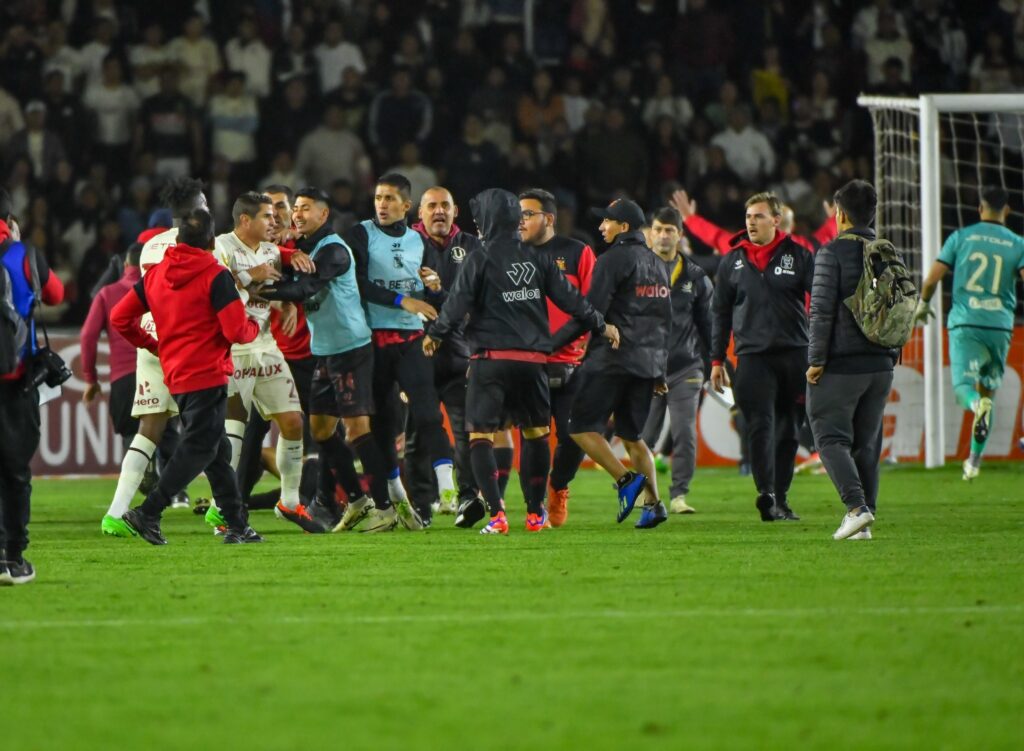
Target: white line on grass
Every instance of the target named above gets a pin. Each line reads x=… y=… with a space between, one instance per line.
x=587 y=615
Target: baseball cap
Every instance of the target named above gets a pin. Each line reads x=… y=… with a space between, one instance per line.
x=621 y=210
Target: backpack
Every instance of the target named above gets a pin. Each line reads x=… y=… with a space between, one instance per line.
x=13 y=328
x=885 y=299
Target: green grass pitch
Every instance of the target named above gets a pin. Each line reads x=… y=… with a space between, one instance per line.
x=714 y=631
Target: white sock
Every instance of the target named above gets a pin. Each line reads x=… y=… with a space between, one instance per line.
x=133 y=467
x=443 y=470
x=235 y=430
x=289 y=464
x=396 y=491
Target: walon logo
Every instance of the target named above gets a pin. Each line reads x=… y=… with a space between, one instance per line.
x=522 y=273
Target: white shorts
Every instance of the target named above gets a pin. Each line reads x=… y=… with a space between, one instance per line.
x=151 y=394
x=264 y=379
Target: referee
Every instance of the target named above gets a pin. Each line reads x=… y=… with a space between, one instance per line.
x=502 y=289
x=760 y=300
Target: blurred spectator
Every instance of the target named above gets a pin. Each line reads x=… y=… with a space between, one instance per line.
x=869 y=19
x=664 y=102
x=334 y=54
x=64 y=113
x=614 y=160
x=133 y=215
x=283 y=172
x=247 y=54
x=113 y=104
x=668 y=156
x=990 y=68
x=420 y=176
x=234 y=120
x=768 y=81
x=575 y=102
x=61 y=56
x=397 y=115
x=717 y=112
x=824 y=106
x=355 y=98
x=96 y=51
x=11 y=118
x=940 y=46
x=331 y=152
x=539 y=108
x=472 y=163
x=199 y=58
x=41 y=145
x=704 y=44
x=148 y=61
x=344 y=212
x=747 y=151
x=288 y=116
x=83 y=229
x=294 y=59
x=21 y=62
x=887 y=43
x=169 y=129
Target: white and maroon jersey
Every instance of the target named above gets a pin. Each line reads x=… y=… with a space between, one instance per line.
x=239 y=257
x=152 y=254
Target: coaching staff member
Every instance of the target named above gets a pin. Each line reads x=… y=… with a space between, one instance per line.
x=197 y=310
x=19 y=399
x=630 y=287
x=760 y=299
x=502 y=288
x=849 y=377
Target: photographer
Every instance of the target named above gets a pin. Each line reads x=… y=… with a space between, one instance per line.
x=19 y=397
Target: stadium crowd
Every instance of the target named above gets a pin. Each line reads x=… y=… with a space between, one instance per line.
x=102 y=101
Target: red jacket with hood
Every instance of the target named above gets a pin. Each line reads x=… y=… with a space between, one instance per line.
x=198 y=313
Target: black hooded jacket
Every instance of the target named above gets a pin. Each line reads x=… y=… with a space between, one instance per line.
x=502 y=288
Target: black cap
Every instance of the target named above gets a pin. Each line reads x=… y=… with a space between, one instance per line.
x=622 y=210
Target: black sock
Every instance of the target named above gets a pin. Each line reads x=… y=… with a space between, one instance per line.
x=534 y=462
x=485 y=470
x=566 y=463
x=503 y=461
x=266 y=500
x=342 y=461
x=373 y=468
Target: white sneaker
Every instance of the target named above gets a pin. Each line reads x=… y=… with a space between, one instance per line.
x=409 y=517
x=355 y=512
x=381 y=520
x=970 y=471
x=854 y=522
x=864 y=534
x=449 y=502
x=680 y=506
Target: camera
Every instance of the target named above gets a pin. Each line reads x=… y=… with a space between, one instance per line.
x=46 y=366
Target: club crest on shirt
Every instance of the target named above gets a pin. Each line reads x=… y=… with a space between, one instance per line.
x=560 y=262
x=687 y=287
x=398 y=261
x=787 y=262
x=458 y=253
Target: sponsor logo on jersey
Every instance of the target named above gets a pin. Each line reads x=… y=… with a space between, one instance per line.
x=738 y=264
x=397 y=285
x=687 y=287
x=521 y=273
x=990 y=303
x=519 y=295
x=259 y=372
x=651 y=290
x=560 y=262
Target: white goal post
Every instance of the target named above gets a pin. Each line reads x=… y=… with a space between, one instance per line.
x=909 y=158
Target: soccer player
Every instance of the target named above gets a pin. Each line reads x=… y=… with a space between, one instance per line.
x=760 y=300
x=153 y=404
x=576 y=262
x=689 y=340
x=197 y=310
x=451 y=246
x=849 y=377
x=261 y=376
x=342 y=388
x=502 y=290
x=389 y=257
x=630 y=288
x=985 y=259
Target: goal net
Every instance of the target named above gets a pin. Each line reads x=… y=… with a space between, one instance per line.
x=932 y=153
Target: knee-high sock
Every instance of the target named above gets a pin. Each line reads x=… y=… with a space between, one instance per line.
x=373 y=468
x=534 y=463
x=445 y=481
x=485 y=470
x=133 y=467
x=503 y=461
x=978 y=448
x=236 y=432
x=338 y=463
x=289 y=464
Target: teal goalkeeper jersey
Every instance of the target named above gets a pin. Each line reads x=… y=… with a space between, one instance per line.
x=986 y=259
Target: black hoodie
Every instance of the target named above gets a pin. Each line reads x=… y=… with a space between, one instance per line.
x=503 y=287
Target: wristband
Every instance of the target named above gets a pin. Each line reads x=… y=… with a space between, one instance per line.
x=716 y=363
x=398 y=300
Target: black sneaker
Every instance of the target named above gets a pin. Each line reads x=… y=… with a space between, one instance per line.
x=20 y=572
x=146 y=526
x=201 y=506
x=784 y=512
x=766 y=505
x=236 y=536
x=325 y=512
x=470 y=512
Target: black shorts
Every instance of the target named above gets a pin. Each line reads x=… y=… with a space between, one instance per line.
x=122 y=395
x=342 y=384
x=503 y=390
x=302 y=376
x=601 y=395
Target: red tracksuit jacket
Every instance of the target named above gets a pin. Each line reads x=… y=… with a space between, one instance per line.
x=198 y=316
